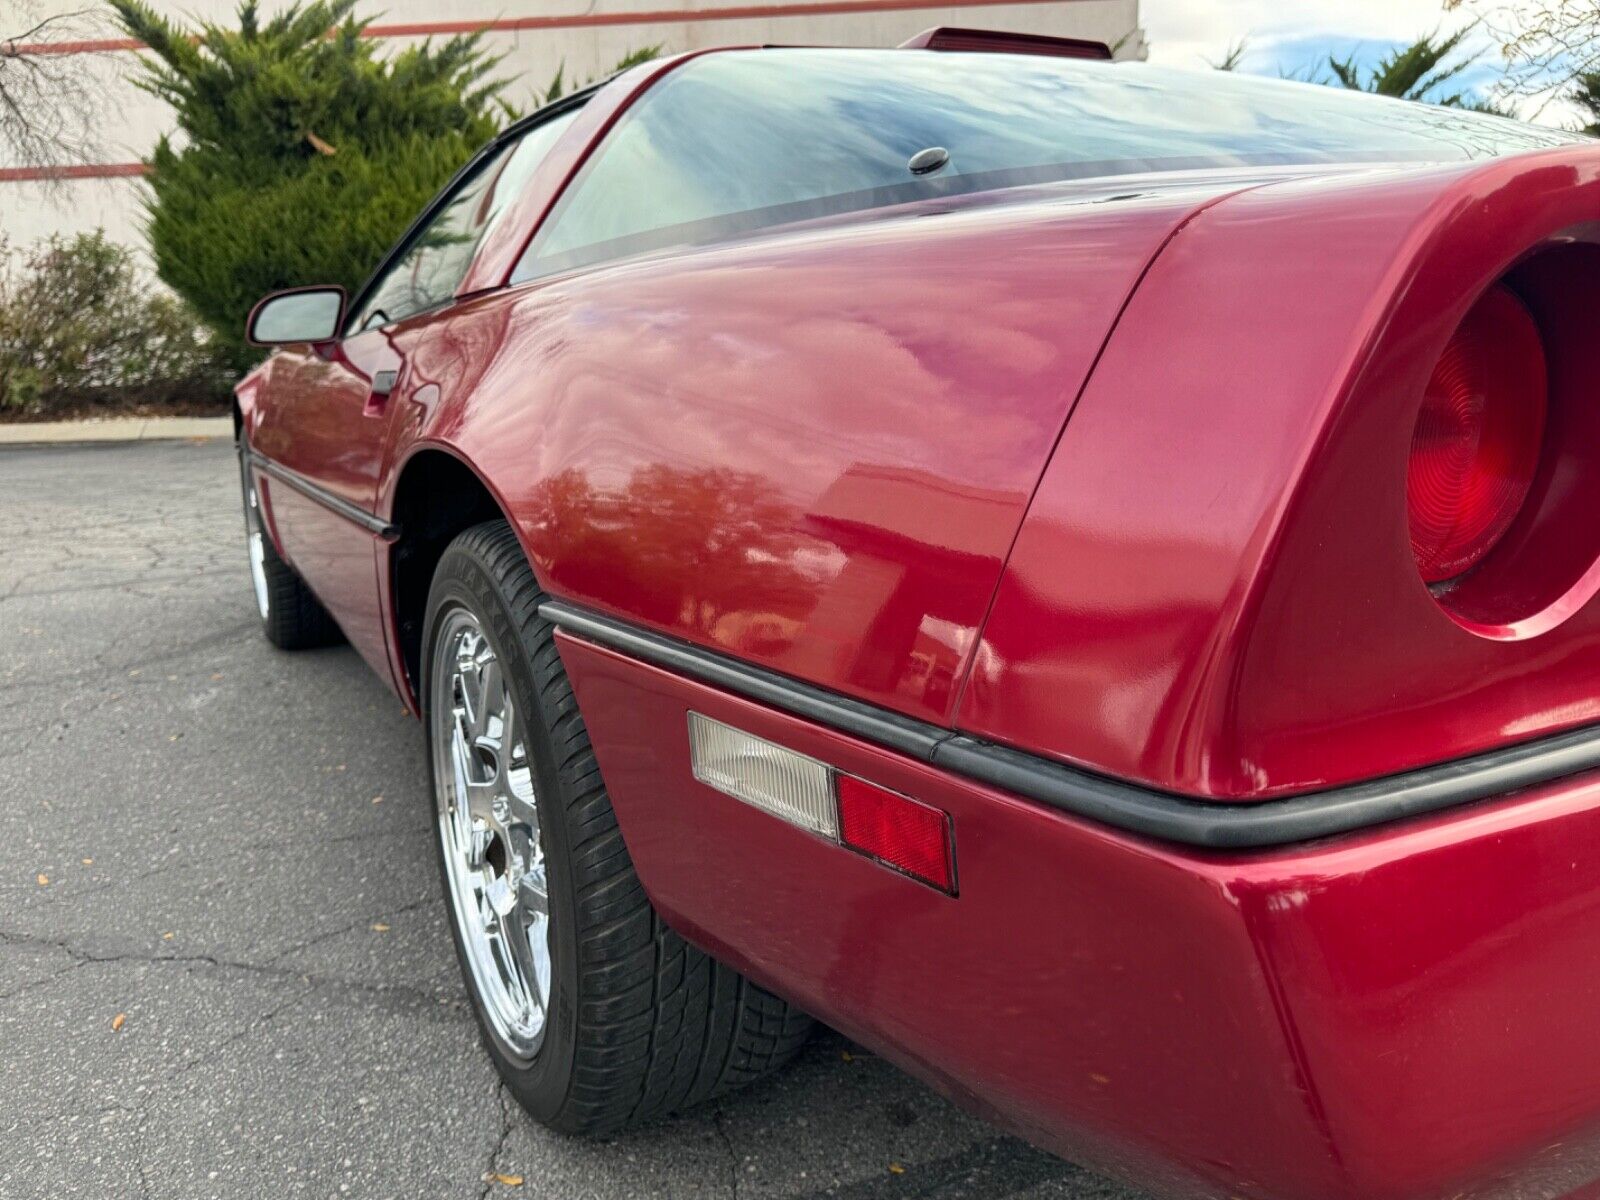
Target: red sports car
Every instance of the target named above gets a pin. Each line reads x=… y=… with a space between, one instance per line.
x=1081 y=576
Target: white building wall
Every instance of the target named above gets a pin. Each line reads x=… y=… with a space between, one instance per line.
x=30 y=210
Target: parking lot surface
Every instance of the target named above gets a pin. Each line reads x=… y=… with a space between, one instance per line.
x=224 y=968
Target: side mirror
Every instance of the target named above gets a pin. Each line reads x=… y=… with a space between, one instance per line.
x=313 y=314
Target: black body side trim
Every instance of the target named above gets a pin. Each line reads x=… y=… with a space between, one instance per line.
x=337 y=504
x=1166 y=816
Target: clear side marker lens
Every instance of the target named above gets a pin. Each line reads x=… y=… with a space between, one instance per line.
x=764 y=775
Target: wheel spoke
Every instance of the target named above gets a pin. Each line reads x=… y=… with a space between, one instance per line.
x=476 y=796
x=489 y=698
x=517 y=928
x=460 y=765
x=533 y=890
x=479 y=839
x=519 y=791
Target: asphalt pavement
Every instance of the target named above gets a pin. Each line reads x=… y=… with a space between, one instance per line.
x=224 y=967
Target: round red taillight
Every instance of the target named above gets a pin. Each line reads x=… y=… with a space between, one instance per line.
x=1478 y=437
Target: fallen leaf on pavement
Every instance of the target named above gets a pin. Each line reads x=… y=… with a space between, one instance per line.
x=44 y=880
x=88 y=862
x=896 y=1169
x=118 y=1021
x=507 y=1180
x=380 y=927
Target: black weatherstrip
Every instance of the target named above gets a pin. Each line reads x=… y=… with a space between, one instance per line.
x=1166 y=816
x=350 y=512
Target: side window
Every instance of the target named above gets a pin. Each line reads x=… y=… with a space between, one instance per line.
x=433 y=265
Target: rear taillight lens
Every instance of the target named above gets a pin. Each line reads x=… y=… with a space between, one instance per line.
x=1477 y=441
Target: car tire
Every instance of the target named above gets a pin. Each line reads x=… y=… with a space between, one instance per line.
x=635 y=1022
x=291 y=617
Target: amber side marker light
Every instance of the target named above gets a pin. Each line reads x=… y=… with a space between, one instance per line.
x=905 y=835
x=1478 y=437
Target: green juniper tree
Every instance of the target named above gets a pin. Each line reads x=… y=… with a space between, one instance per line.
x=304 y=154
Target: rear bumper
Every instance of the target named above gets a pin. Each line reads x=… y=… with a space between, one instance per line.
x=1402 y=1014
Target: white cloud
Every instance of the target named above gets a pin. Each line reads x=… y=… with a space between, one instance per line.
x=1290 y=36
x=1189 y=32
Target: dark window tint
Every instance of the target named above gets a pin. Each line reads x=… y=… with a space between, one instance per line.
x=434 y=264
x=739 y=141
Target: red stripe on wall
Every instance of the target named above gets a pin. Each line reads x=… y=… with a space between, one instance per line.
x=97 y=47
x=658 y=16
x=85 y=171
x=670 y=16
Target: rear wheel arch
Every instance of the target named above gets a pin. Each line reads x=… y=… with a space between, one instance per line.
x=437 y=495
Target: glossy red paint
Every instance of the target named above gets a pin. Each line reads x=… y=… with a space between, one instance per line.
x=1112 y=472
x=1399 y=1016
x=712 y=479
x=326 y=423
x=1244 y=616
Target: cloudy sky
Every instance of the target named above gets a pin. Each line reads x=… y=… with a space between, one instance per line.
x=1290 y=35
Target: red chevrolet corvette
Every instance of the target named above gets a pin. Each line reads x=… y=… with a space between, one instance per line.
x=1081 y=576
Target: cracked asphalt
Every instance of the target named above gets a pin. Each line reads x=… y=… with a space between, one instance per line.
x=224 y=968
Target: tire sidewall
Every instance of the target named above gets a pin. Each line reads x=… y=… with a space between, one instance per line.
x=463 y=580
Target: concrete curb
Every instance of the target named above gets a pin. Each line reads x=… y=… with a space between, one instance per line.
x=115 y=429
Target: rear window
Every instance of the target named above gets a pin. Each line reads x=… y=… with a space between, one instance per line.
x=734 y=142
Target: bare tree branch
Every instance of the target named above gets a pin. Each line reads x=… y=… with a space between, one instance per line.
x=1548 y=44
x=51 y=103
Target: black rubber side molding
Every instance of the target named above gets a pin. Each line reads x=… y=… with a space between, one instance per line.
x=351 y=512
x=1166 y=816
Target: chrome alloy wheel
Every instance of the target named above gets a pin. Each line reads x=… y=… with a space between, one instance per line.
x=489 y=832
x=257 y=536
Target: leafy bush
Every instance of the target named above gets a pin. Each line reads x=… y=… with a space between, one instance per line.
x=79 y=329
x=304 y=155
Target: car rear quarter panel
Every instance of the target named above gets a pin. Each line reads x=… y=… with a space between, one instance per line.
x=810 y=450
x=1214 y=592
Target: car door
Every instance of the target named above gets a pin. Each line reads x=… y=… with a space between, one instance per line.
x=324 y=424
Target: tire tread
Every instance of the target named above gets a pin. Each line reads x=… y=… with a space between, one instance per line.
x=661 y=1025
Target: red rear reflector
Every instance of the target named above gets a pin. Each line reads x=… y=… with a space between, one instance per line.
x=1477 y=441
x=896 y=830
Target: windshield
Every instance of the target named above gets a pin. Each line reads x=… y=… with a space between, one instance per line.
x=737 y=141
